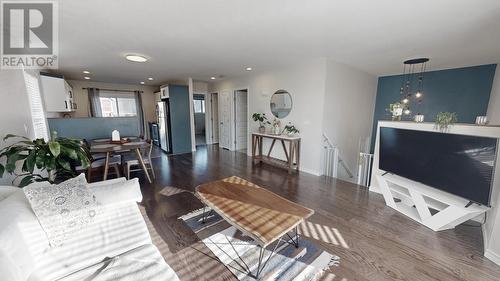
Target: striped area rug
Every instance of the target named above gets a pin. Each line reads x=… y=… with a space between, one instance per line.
x=238 y=253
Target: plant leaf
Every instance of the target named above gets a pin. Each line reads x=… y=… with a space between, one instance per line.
x=26 y=180
x=8 y=136
x=30 y=161
x=55 y=148
x=66 y=166
x=71 y=153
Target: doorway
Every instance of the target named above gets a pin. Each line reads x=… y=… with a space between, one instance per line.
x=199 y=119
x=214 y=103
x=241 y=120
x=225 y=119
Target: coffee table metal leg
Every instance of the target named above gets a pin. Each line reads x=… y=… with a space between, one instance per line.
x=295 y=240
x=261 y=265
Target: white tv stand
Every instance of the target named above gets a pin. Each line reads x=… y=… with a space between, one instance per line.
x=429 y=206
x=417 y=199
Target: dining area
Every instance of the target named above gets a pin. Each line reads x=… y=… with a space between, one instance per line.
x=119 y=158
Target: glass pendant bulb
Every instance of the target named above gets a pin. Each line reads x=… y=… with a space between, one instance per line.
x=418 y=95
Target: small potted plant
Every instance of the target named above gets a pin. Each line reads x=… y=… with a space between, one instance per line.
x=290 y=129
x=445 y=119
x=54 y=160
x=396 y=109
x=262 y=119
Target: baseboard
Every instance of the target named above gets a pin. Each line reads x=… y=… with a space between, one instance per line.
x=492 y=256
x=310 y=172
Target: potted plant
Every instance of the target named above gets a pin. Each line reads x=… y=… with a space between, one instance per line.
x=445 y=119
x=262 y=119
x=290 y=129
x=54 y=160
x=396 y=109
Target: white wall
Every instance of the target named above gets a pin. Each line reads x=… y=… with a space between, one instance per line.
x=306 y=84
x=494 y=105
x=348 y=111
x=492 y=227
x=15 y=112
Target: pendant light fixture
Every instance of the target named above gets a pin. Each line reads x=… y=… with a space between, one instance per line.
x=412 y=86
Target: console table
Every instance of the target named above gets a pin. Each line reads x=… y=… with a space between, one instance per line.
x=292 y=153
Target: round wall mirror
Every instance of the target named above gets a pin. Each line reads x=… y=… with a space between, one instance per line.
x=281 y=104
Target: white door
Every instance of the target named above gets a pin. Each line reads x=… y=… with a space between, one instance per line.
x=225 y=119
x=215 y=118
x=241 y=119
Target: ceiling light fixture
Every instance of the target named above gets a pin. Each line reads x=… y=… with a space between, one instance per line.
x=142 y=82
x=412 y=86
x=136 y=58
x=86 y=72
x=86 y=78
x=248 y=69
x=212 y=78
x=150 y=79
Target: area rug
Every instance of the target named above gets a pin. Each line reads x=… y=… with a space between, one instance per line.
x=240 y=255
x=170 y=190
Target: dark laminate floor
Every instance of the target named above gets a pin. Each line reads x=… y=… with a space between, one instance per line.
x=373 y=241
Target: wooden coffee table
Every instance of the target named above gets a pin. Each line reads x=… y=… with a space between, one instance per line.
x=255 y=211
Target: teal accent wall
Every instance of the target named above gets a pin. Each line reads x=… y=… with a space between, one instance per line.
x=94 y=128
x=180 y=121
x=465 y=91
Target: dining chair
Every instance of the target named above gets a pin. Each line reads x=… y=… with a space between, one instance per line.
x=146 y=157
x=114 y=162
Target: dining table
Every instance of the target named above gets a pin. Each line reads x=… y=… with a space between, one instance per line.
x=108 y=148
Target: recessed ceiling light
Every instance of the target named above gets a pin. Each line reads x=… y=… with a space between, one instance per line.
x=248 y=69
x=150 y=79
x=86 y=72
x=86 y=78
x=142 y=82
x=136 y=58
x=213 y=77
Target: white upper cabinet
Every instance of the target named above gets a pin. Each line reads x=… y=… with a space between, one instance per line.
x=57 y=94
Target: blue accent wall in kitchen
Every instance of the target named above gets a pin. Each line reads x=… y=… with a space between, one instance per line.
x=465 y=91
x=94 y=128
x=180 y=121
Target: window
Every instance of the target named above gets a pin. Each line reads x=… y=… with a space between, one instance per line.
x=199 y=106
x=40 y=127
x=117 y=104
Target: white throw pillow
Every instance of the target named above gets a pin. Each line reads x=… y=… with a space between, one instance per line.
x=62 y=208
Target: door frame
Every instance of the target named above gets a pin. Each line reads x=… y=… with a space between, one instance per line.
x=233 y=123
x=210 y=121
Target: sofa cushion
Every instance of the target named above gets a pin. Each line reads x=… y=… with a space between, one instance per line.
x=63 y=208
x=21 y=237
x=6 y=191
x=117 y=192
x=143 y=263
x=118 y=228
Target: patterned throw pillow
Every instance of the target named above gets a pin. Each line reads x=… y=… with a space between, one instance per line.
x=63 y=208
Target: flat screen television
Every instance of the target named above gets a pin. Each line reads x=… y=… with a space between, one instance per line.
x=458 y=164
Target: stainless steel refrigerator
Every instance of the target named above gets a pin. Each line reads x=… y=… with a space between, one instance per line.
x=163 y=113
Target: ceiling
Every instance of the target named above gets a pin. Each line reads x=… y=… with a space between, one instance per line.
x=200 y=39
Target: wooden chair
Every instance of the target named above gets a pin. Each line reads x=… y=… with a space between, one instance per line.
x=146 y=157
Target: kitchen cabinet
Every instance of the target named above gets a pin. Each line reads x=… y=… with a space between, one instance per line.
x=57 y=94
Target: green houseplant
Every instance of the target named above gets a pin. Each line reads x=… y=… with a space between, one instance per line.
x=290 y=129
x=445 y=119
x=262 y=119
x=54 y=160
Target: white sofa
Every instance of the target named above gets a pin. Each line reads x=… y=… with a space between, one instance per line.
x=115 y=246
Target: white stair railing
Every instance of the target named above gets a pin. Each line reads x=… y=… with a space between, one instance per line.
x=333 y=159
